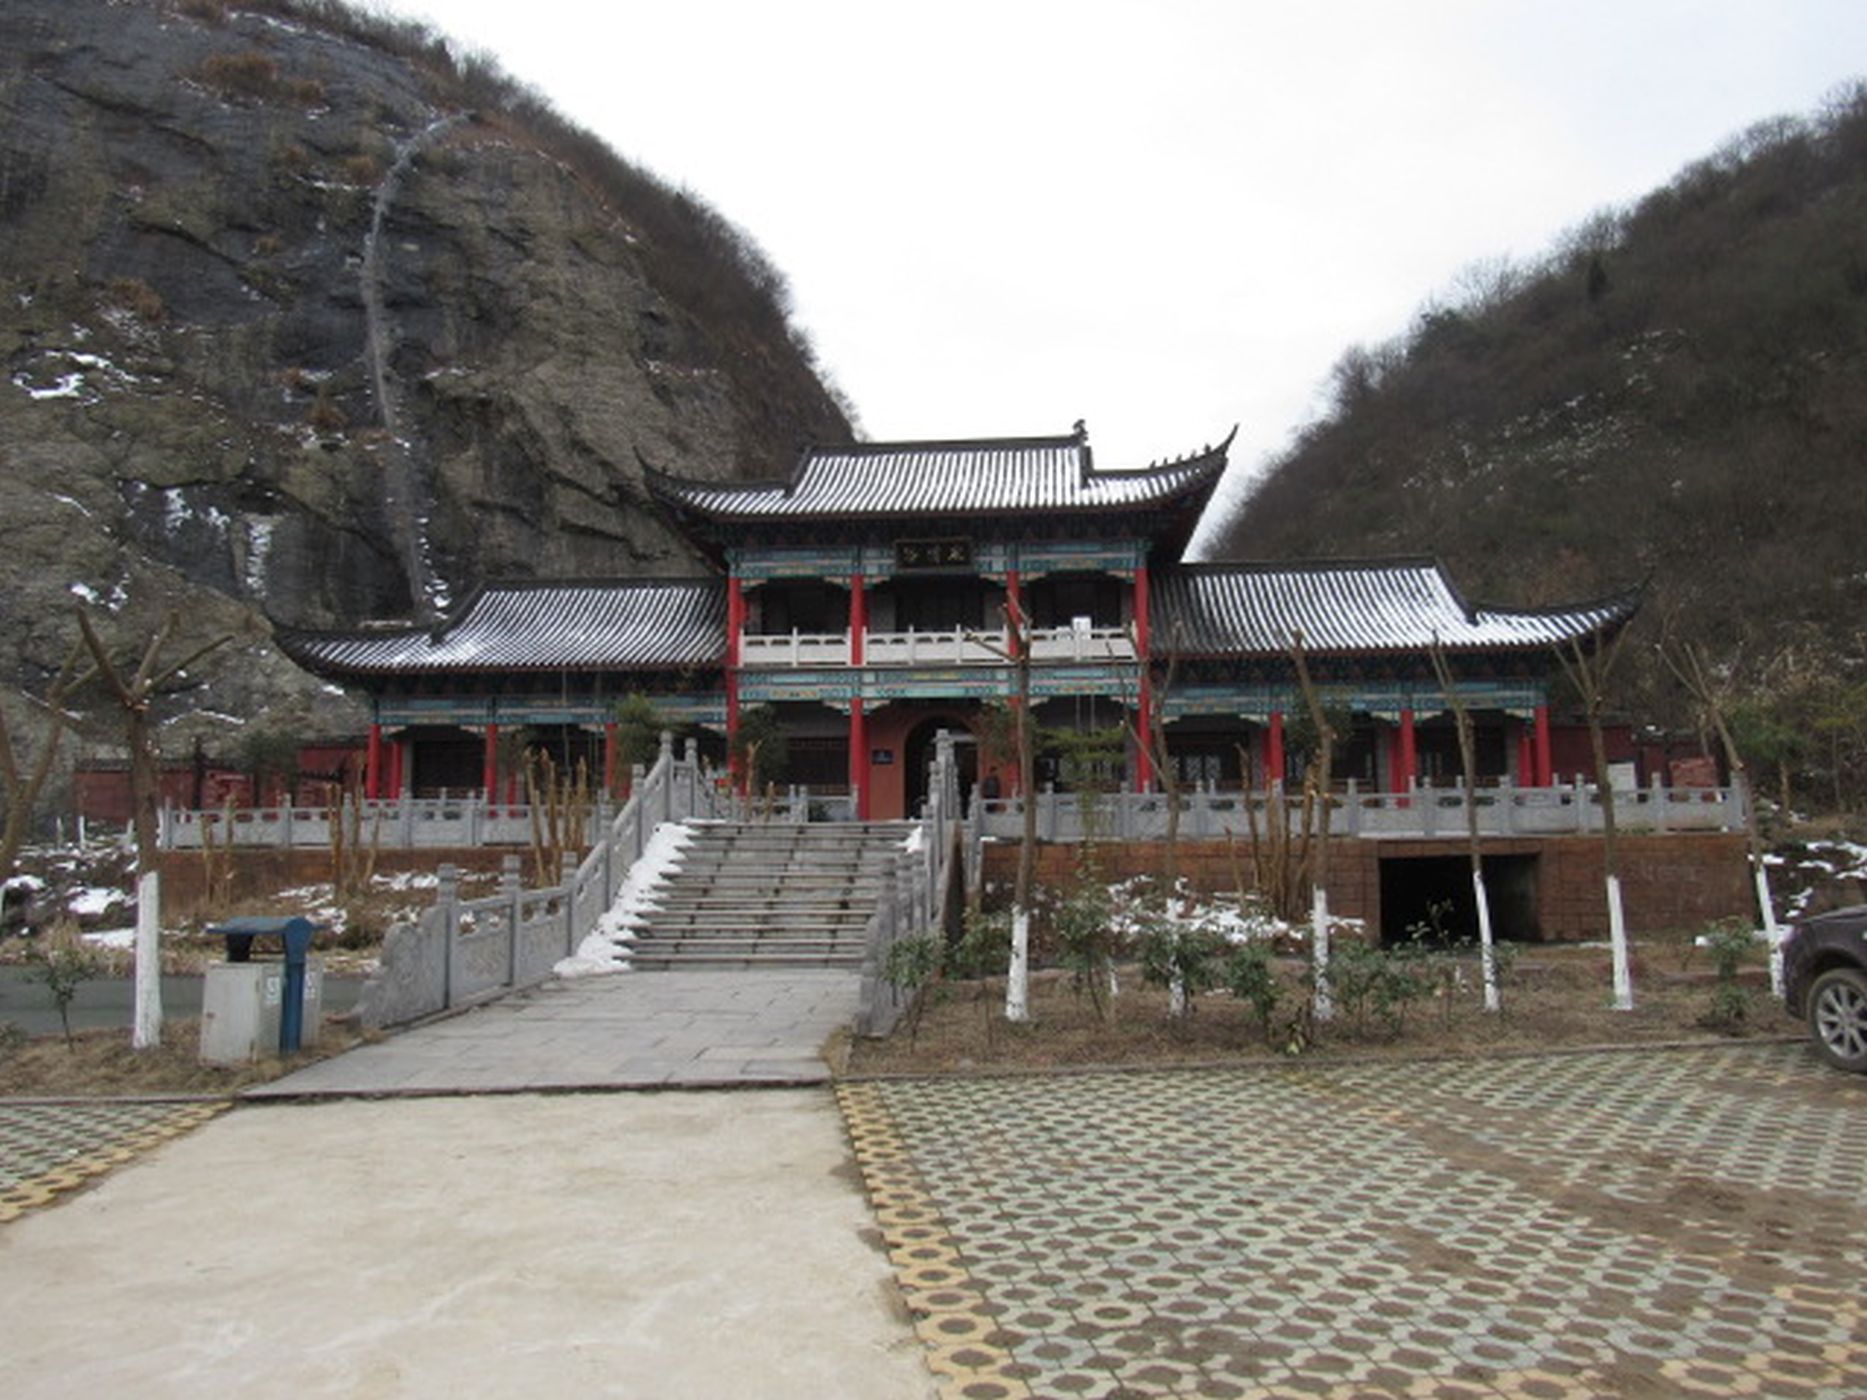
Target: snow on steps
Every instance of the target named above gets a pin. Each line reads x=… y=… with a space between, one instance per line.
x=729 y=894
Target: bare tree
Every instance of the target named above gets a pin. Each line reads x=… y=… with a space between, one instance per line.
x=1316 y=799
x=21 y=787
x=1468 y=762
x=1686 y=660
x=135 y=695
x=1017 y=651
x=1589 y=669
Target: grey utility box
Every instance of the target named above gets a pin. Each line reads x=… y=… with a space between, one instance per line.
x=250 y=1009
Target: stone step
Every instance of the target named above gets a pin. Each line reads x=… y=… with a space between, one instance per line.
x=852 y=930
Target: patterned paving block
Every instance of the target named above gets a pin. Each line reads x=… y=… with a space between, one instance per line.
x=1602 y=1224
x=46 y=1149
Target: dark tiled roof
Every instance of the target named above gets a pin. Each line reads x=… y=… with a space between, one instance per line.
x=1383 y=605
x=620 y=626
x=992 y=476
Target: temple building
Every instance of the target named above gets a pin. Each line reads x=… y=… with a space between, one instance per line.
x=878 y=594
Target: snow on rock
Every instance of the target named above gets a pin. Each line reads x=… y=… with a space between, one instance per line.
x=605 y=949
x=916 y=841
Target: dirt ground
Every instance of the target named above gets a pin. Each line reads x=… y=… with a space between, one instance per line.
x=99 y=1063
x=1554 y=996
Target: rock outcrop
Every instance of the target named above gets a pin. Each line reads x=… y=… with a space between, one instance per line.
x=301 y=325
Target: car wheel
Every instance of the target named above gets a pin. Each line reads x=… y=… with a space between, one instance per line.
x=1838 y=1018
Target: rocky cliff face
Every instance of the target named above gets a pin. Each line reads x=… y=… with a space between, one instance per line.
x=293 y=328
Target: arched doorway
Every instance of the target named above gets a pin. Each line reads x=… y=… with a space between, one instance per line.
x=918 y=752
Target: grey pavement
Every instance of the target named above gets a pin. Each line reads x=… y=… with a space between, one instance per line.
x=648 y=1245
x=631 y=1030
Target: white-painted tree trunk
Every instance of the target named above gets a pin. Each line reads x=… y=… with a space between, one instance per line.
x=1772 y=932
x=1018 y=977
x=1487 y=957
x=1617 y=939
x=1319 y=952
x=1176 y=997
x=146 y=1031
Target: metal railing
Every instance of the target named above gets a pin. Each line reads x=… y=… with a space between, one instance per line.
x=462 y=951
x=1422 y=811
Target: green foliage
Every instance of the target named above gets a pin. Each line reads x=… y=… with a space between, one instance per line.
x=1731 y=944
x=60 y=962
x=910 y=965
x=269 y=754
x=1083 y=922
x=638 y=731
x=1250 y=973
x=759 y=746
x=1088 y=760
x=1180 y=952
x=984 y=947
x=1375 y=987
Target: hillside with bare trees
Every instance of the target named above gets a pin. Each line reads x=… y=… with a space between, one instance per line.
x=1675 y=393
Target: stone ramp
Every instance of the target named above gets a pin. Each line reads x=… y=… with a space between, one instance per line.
x=671 y=1030
x=768 y=895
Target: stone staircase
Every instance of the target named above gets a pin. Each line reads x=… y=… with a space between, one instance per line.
x=768 y=895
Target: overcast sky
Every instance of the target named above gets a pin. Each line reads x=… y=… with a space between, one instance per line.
x=1163 y=218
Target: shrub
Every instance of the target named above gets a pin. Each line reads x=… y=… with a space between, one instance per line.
x=61 y=963
x=911 y=964
x=1084 y=924
x=1251 y=975
x=139 y=298
x=251 y=75
x=1731 y=944
x=1182 y=956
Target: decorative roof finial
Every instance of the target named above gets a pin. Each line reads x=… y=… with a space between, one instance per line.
x=1082 y=431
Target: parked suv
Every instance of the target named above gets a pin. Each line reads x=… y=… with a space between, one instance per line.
x=1825 y=979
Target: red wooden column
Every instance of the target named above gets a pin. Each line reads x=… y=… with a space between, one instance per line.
x=1274 y=750
x=395 y=769
x=1014 y=605
x=489 y=766
x=858 y=722
x=859 y=757
x=1526 y=757
x=610 y=731
x=372 y=765
x=1408 y=753
x=1545 y=769
x=1144 y=765
x=735 y=625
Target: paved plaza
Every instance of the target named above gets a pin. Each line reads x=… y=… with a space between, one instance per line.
x=48 y=1149
x=1630 y=1223
x=634 y=1030
x=1621 y=1224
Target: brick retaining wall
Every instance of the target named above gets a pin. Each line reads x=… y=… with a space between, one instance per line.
x=265 y=872
x=1668 y=883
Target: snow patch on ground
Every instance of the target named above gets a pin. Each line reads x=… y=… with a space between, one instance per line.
x=124 y=938
x=605 y=948
x=93 y=900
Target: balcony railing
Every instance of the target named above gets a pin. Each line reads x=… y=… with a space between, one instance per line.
x=1503 y=811
x=958 y=647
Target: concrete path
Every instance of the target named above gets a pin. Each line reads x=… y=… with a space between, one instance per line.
x=690 y=1245
x=628 y=1031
